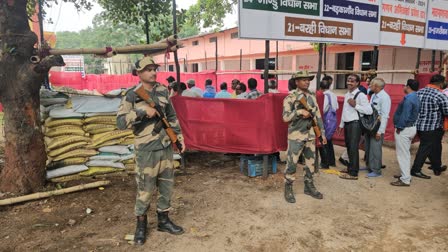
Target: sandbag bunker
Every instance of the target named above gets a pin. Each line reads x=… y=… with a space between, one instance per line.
x=81 y=136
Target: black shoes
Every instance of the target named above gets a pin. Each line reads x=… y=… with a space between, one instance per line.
x=166 y=225
x=311 y=190
x=399 y=183
x=420 y=175
x=140 y=231
x=289 y=194
x=343 y=161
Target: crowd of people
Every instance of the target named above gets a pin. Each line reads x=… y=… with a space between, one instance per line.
x=239 y=89
x=421 y=112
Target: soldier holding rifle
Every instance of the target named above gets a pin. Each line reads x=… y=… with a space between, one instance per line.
x=304 y=120
x=148 y=111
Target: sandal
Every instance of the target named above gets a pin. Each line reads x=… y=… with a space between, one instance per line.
x=344 y=171
x=348 y=176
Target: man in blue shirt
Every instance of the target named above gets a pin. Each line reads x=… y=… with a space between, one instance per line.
x=209 y=91
x=433 y=108
x=223 y=93
x=405 y=118
x=374 y=143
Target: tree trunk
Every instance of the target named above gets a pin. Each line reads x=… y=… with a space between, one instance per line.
x=20 y=82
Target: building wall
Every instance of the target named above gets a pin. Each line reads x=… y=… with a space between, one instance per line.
x=292 y=56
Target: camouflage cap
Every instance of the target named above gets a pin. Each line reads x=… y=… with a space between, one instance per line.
x=146 y=61
x=302 y=75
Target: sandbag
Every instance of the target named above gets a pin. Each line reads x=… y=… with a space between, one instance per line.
x=100 y=114
x=67 y=170
x=112 y=158
x=105 y=163
x=127 y=157
x=107 y=143
x=128 y=141
x=66 y=140
x=129 y=161
x=76 y=153
x=104 y=137
x=51 y=123
x=65 y=130
x=97 y=170
x=67 y=148
x=95 y=104
x=66 y=162
x=118 y=149
x=98 y=128
x=65 y=113
x=101 y=119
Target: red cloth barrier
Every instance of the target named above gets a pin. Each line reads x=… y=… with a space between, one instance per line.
x=233 y=125
x=240 y=126
x=424 y=78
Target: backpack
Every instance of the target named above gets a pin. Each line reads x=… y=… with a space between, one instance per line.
x=330 y=120
x=369 y=123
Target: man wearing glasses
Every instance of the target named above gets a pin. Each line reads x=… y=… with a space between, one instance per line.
x=351 y=125
x=154 y=152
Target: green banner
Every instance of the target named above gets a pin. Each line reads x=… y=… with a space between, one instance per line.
x=308 y=7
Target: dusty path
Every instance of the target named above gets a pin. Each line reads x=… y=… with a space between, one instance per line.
x=223 y=210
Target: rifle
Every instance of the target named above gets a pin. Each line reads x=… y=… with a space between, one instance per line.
x=141 y=92
x=314 y=122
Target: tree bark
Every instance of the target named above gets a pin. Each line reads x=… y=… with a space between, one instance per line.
x=20 y=82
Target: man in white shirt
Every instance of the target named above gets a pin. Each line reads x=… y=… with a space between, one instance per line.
x=192 y=86
x=351 y=125
x=374 y=143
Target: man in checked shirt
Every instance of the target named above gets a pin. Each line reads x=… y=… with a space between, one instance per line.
x=433 y=108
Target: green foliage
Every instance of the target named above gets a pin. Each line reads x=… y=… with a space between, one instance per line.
x=133 y=11
x=208 y=13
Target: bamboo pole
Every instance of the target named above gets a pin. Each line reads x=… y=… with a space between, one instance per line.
x=42 y=195
x=115 y=50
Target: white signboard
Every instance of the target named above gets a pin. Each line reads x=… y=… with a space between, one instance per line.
x=403 y=23
x=437 y=25
x=348 y=22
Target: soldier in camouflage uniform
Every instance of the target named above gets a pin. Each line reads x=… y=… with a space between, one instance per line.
x=301 y=136
x=154 y=153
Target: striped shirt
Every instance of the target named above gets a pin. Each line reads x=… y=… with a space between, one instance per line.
x=433 y=107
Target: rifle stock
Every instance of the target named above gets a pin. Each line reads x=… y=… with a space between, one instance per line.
x=316 y=128
x=141 y=92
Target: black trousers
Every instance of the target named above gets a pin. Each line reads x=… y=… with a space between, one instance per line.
x=327 y=154
x=352 y=135
x=430 y=146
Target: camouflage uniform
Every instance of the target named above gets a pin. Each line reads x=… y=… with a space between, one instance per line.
x=301 y=136
x=154 y=153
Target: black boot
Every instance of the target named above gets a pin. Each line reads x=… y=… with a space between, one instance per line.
x=140 y=231
x=289 y=194
x=311 y=190
x=166 y=225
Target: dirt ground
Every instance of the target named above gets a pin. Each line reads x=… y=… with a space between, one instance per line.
x=223 y=210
